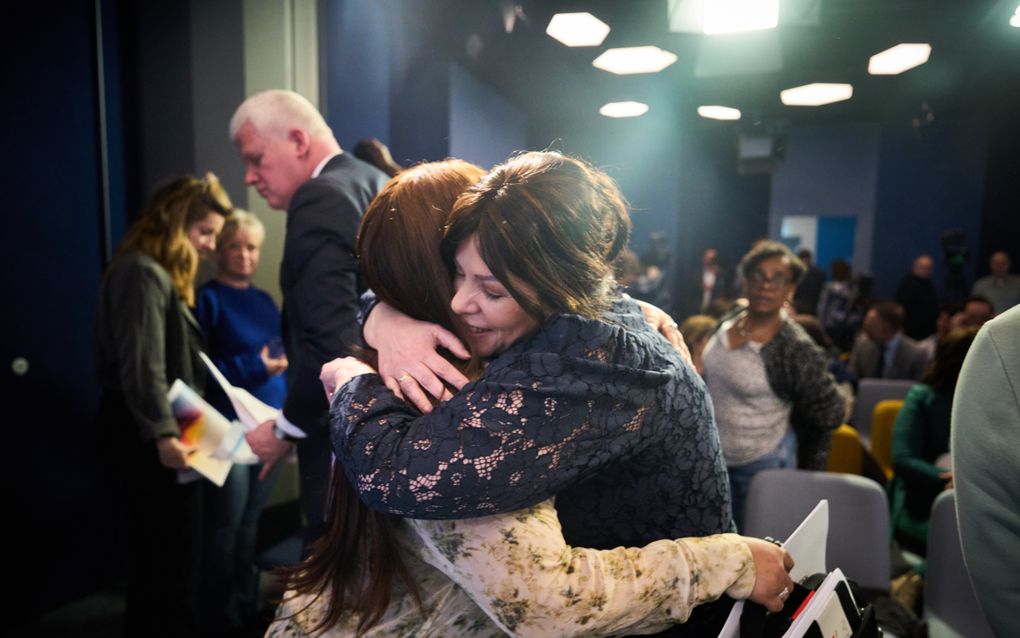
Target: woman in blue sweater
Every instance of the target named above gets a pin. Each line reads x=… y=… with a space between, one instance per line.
x=240 y=322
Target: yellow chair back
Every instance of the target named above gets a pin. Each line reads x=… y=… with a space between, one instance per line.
x=882 y=421
x=846 y=455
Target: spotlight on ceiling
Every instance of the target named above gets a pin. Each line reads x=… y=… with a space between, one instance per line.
x=816 y=94
x=898 y=59
x=577 y=29
x=732 y=16
x=716 y=112
x=1015 y=20
x=634 y=60
x=624 y=109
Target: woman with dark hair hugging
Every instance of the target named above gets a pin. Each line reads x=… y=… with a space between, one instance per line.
x=578 y=398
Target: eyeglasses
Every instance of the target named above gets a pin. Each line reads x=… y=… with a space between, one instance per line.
x=759 y=279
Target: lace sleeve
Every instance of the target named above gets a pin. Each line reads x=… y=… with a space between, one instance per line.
x=523 y=432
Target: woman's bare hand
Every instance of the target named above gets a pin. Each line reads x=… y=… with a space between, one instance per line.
x=339 y=371
x=772 y=564
x=408 y=361
x=274 y=366
x=172 y=453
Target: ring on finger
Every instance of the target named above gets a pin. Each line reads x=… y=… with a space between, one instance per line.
x=773 y=541
x=403 y=377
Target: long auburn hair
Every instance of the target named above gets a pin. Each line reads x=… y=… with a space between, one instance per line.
x=357 y=562
x=161 y=231
x=552 y=221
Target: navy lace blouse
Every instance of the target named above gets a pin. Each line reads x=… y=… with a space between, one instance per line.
x=603 y=414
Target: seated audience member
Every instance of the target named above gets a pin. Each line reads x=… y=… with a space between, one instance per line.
x=836 y=307
x=240 y=322
x=920 y=301
x=377 y=575
x=986 y=464
x=1000 y=287
x=775 y=402
x=921 y=438
x=883 y=351
x=696 y=330
x=627 y=269
x=809 y=290
x=976 y=311
x=943 y=324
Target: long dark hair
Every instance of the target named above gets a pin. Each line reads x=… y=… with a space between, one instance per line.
x=357 y=562
x=550 y=220
x=950 y=351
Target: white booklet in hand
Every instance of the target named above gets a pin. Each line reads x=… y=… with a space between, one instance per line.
x=807 y=547
x=250 y=410
x=202 y=427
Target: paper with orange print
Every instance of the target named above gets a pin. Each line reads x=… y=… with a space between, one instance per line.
x=203 y=428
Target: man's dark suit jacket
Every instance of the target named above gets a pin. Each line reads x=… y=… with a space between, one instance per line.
x=908 y=361
x=321 y=287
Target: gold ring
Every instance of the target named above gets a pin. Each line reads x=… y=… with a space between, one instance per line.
x=402 y=377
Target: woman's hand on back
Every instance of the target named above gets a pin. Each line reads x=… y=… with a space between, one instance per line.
x=660 y=320
x=772 y=565
x=408 y=361
x=339 y=371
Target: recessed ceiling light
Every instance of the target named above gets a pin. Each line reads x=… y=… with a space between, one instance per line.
x=624 y=109
x=816 y=94
x=634 y=60
x=719 y=112
x=899 y=59
x=732 y=16
x=1015 y=20
x=577 y=29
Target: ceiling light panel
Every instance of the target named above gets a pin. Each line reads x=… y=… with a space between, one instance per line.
x=716 y=112
x=899 y=59
x=577 y=29
x=733 y=16
x=630 y=60
x=624 y=109
x=816 y=94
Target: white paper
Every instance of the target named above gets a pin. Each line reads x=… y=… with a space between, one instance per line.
x=203 y=427
x=807 y=547
x=250 y=410
x=823 y=597
x=807 y=543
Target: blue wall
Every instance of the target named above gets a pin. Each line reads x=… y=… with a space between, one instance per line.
x=484 y=127
x=927 y=184
x=358 y=42
x=830 y=170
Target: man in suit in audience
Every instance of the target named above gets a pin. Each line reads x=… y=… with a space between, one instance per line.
x=882 y=350
x=920 y=301
x=296 y=164
x=1000 y=287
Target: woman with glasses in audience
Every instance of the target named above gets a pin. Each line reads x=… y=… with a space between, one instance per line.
x=775 y=402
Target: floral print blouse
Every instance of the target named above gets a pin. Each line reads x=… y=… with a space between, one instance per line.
x=514 y=574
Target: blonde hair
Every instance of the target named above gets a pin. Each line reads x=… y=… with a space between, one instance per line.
x=237 y=220
x=161 y=231
x=276 y=111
